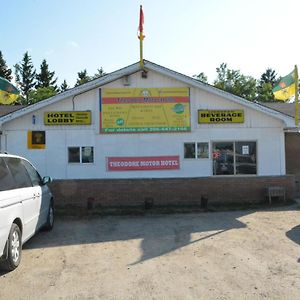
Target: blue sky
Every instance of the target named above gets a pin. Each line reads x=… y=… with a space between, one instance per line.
x=187 y=36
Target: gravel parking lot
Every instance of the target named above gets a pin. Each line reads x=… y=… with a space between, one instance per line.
x=223 y=255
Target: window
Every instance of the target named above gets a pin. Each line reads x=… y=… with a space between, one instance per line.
x=245 y=153
x=6 y=181
x=202 y=150
x=234 y=158
x=18 y=172
x=196 y=150
x=81 y=154
x=87 y=154
x=33 y=174
x=74 y=154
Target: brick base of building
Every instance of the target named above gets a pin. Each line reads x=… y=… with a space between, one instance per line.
x=167 y=192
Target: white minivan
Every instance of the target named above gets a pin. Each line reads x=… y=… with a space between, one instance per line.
x=26 y=205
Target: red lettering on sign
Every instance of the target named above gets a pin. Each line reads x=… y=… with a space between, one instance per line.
x=143 y=163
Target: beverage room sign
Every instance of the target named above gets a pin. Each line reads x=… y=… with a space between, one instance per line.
x=220 y=116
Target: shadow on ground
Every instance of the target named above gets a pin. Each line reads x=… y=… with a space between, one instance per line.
x=159 y=234
x=294 y=234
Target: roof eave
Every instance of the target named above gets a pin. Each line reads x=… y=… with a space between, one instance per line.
x=288 y=121
x=210 y=89
x=72 y=92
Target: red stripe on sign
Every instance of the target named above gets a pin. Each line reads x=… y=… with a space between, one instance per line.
x=151 y=100
x=142 y=163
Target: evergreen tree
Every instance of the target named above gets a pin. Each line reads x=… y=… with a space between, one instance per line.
x=45 y=77
x=64 y=86
x=5 y=72
x=201 y=77
x=269 y=76
x=25 y=76
x=267 y=81
x=100 y=73
x=82 y=77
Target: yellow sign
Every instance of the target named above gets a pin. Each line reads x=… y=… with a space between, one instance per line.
x=135 y=110
x=220 y=116
x=36 y=139
x=67 y=118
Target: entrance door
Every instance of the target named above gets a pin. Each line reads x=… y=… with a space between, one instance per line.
x=223 y=158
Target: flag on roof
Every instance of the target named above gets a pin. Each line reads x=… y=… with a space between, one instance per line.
x=285 y=88
x=8 y=92
x=141 y=24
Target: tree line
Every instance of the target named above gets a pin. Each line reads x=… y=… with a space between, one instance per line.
x=38 y=85
x=234 y=82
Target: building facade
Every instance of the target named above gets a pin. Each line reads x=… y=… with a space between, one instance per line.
x=151 y=123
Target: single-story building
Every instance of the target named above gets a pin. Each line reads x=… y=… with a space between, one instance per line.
x=151 y=134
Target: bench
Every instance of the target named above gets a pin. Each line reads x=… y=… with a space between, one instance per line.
x=275 y=191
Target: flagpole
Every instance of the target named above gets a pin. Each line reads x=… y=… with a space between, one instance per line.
x=141 y=51
x=296 y=98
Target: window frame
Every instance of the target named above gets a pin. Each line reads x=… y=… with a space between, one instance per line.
x=80 y=155
x=196 y=150
x=234 y=156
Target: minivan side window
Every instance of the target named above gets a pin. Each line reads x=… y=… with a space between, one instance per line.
x=6 y=181
x=34 y=175
x=18 y=172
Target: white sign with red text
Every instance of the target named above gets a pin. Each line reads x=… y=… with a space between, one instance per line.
x=142 y=163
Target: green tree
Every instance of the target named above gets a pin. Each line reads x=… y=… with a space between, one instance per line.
x=82 y=77
x=41 y=93
x=5 y=72
x=269 y=76
x=45 y=78
x=201 y=77
x=234 y=82
x=100 y=73
x=64 y=86
x=25 y=76
x=264 y=88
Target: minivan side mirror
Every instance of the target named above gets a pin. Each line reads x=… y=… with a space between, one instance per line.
x=46 y=179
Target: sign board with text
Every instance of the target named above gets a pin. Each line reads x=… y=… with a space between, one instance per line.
x=67 y=118
x=220 y=116
x=142 y=163
x=144 y=110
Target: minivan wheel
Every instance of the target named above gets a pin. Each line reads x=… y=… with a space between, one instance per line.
x=14 y=248
x=50 y=219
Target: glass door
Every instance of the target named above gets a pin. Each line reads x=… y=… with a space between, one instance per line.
x=223 y=158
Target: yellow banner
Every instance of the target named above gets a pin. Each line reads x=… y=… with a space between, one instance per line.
x=220 y=116
x=151 y=92
x=128 y=110
x=36 y=139
x=67 y=118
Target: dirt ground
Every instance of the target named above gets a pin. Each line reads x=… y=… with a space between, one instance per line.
x=223 y=255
